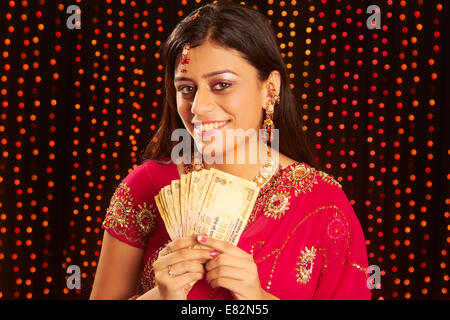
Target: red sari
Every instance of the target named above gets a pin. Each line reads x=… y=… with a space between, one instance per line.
x=303 y=233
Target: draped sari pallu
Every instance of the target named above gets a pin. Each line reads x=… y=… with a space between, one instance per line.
x=303 y=233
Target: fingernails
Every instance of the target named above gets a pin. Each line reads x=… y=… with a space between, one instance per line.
x=202 y=238
x=214 y=253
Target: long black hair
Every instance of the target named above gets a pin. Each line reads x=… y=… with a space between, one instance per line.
x=235 y=26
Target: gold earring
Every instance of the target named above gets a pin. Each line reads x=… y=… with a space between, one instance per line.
x=270 y=166
x=268 y=124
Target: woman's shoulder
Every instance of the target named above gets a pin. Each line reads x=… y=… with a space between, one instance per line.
x=314 y=190
x=318 y=199
x=131 y=214
x=322 y=199
x=150 y=176
x=305 y=179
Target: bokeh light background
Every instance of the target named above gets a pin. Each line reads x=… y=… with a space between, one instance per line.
x=79 y=106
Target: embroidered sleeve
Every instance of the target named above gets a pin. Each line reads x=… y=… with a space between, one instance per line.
x=343 y=273
x=131 y=215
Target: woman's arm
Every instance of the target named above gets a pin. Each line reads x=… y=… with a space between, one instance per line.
x=118 y=271
x=152 y=294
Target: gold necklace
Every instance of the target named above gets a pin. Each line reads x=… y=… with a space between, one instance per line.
x=269 y=168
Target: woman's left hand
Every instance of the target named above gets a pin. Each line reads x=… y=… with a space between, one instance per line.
x=234 y=269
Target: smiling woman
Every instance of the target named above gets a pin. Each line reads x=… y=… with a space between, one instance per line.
x=224 y=72
x=230 y=98
x=233 y=56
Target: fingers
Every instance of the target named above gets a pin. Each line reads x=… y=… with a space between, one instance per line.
x=224 y=259
x=174 y=283
x=184 y=242
x=186 y=267
x=185 y=254
x=222 y=246
x=225 y=272
x=187 y=278
x=226 y=283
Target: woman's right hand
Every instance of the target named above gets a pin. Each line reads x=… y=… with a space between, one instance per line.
x=186 y=265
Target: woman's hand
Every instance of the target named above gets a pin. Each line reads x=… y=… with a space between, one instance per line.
x=177 y=266
x=234 y=269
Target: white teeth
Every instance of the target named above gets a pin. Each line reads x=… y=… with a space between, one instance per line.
x=209 y=126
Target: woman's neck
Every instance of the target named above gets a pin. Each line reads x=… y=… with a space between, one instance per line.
x=249 y=169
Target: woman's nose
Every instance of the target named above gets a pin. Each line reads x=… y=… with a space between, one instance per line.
x=203 y=102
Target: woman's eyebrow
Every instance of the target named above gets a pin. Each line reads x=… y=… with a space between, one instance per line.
x=206 y=76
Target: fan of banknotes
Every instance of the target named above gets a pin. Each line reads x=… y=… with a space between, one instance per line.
x=208 y=201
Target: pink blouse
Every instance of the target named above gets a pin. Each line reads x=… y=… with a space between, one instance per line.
x=303 y=233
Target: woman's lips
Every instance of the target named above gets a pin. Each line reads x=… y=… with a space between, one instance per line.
x=206 y=131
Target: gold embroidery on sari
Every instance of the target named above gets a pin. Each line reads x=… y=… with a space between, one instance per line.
x=357 y=266
x=120 y=207
x=121 y=216
x=277 y=252
x=299 y=178
x=329 y=179
x=305 y=265
x=336 y=227
x=302 y=178
x=259 y=245
x=146 y=218
x=323 y=252
x=277 y=206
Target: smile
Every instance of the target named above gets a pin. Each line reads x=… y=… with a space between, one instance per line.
x=208 y=127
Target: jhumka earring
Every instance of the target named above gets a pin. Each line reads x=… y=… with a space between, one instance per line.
x=270 y=166
x=268 y=123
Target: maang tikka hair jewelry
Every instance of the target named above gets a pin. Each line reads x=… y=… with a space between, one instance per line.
x=185 y=53
x=195 y=15
x=185 y=57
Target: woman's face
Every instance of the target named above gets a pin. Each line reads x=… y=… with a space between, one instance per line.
x=221 y=88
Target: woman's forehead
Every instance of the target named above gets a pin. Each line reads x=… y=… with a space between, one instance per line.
x=209 y=58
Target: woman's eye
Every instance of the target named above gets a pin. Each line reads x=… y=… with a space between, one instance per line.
x=221 y=85
x=186 y=89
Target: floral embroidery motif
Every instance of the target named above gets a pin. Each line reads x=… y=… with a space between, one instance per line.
x=119 y=209
x=146 y=218
x=122 y=218
x=302 y=178
x=277 y=206
x=274 y=197
x=305 y=265
x=300 y=171
x=277 y=252
x=337 y=228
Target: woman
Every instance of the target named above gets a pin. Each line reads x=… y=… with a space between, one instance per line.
x=303 y=240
